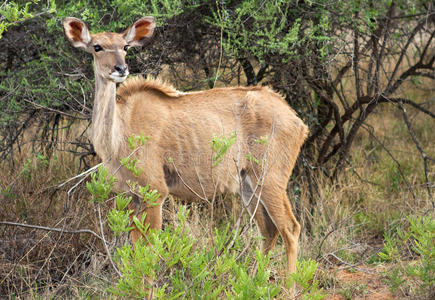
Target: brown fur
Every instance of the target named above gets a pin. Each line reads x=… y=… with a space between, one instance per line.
x=137 y=84
x=178 y=158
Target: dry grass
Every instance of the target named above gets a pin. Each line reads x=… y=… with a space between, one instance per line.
x=382 y=185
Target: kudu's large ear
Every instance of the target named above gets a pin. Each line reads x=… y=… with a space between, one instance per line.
x=76 y=32
x=140 y=32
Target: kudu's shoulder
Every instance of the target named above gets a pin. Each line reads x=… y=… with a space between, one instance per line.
x=139 y=84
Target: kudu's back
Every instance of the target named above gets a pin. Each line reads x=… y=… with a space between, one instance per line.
x=181 y=127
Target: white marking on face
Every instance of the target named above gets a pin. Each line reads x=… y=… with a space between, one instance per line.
x=118 y=78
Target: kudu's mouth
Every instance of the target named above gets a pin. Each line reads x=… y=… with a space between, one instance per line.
x=118 y=77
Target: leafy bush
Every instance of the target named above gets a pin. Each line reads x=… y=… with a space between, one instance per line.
x=418 y=241
x=304 y=277
x=13 y=13
x=171 y=264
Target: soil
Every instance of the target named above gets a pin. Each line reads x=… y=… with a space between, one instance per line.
x=362 y=283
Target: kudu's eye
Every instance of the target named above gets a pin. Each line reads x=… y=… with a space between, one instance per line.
x=97 y=48
x=126 y=47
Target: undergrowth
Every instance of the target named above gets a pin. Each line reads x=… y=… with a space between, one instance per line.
x=172 y=264
x=377 y=215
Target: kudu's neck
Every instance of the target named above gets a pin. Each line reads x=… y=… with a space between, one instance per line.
x=105 y=97
x=104 y=117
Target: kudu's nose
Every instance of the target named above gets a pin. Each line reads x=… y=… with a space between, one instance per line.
x=121 y=69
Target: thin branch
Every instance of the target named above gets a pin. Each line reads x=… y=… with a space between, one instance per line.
x=426 y=47
x=390 y=87
x=355 y=59
x=340 y=260
x=347 y=66
x=409 y=102
x=334 y=228
x=85 y=173
x=52 y=229
x=187 y=186
x=399 y=167
x=420 y=149
x=427 y=75
x=412 y=71
x=344 y=149
x=221 y=51
x=56 y=111
x=105 y=243
x=262 y=72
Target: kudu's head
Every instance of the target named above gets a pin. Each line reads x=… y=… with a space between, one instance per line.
x=109 y=48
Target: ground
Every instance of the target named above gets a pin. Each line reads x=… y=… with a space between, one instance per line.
x=365 y=282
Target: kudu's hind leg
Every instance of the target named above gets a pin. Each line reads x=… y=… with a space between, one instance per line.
x=265 y=224
x=278 y=207
x=273 y=215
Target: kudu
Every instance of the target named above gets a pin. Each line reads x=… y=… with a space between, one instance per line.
x=181 y=126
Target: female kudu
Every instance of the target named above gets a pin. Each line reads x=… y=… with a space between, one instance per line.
x=178 y=158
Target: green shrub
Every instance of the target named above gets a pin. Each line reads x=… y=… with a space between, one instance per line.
x=172 y=264
x=417 y=242
x=304 y=277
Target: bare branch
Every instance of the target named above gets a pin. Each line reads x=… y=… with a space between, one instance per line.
x=399 y=167
x=187 y=186
x=355 y=59
x=85 y=173
x=51 y=228
x=407 y=101
x=86 y=117
x=390 y=86
x=105 y=243
x=420 y=149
